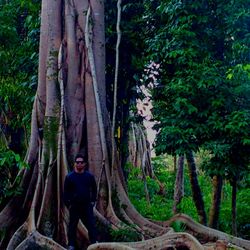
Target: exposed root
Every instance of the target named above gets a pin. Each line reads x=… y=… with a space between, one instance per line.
x=131 y=222
x=151 y=229
x=102 y=219
x=221 y=245
x=35 y=240
x=166 y=241
x=207 y=233
x=18 y=237
x=9 y=213
x=107 y=246
x=170 y=240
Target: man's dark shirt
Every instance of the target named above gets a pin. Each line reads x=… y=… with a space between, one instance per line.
x=79 y=189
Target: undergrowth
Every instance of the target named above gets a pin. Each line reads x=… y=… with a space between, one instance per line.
x=160 y=206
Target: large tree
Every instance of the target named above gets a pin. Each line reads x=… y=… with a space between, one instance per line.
x=69 y=116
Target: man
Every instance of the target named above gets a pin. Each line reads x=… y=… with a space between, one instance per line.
x=80 y=196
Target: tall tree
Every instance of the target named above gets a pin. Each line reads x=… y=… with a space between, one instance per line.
x=69 y=116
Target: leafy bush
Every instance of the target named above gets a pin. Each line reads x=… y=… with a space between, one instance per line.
x=10 y=163
x=125 y=234
x=243 y=215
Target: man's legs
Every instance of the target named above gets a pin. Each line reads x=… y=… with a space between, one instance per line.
x=88 y=220
x=73 y=221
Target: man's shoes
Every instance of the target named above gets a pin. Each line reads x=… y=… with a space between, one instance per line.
x=71 y=248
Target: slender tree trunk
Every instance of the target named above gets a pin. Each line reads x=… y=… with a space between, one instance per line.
x=197 y=195
x=179 y=184
x=234 y=206
x=216 y=201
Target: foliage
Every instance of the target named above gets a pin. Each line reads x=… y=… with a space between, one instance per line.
x=178 y=226
x=19 y=36
x=160 y=207
x=125 y=234
x=10 y=164
x=201 y=82
x=137 y=196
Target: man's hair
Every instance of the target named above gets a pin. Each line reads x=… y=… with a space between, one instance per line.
x=79 y=155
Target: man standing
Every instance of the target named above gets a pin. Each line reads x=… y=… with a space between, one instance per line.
x=80 y=196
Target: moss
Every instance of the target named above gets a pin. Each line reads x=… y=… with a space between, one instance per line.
x=51 y=125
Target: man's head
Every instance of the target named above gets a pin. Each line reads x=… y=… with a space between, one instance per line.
x=80 y=163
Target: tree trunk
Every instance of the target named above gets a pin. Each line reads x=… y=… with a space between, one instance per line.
x=234 y=206
x=216 y=201
x=69 y=116
x=196 y=191
x=179 y=184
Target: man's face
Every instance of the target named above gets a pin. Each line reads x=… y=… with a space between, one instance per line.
x=80 y=164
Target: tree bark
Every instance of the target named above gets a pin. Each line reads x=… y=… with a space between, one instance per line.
x=196 y=191
x=179 y=184
x=216 y=201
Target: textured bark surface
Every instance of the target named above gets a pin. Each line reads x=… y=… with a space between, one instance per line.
x=69 y=116
x=179 y=184
x=216 y=201
x=196 y=191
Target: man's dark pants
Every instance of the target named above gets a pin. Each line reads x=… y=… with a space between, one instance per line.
x=85 y=213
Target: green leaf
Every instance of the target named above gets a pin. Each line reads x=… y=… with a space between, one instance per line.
x=17 y=157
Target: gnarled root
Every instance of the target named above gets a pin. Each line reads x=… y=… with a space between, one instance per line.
x=206 y=233
x=18 y=236
x=166 y=241
x=110 y=245
x=36 y=240
x=221 y=245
